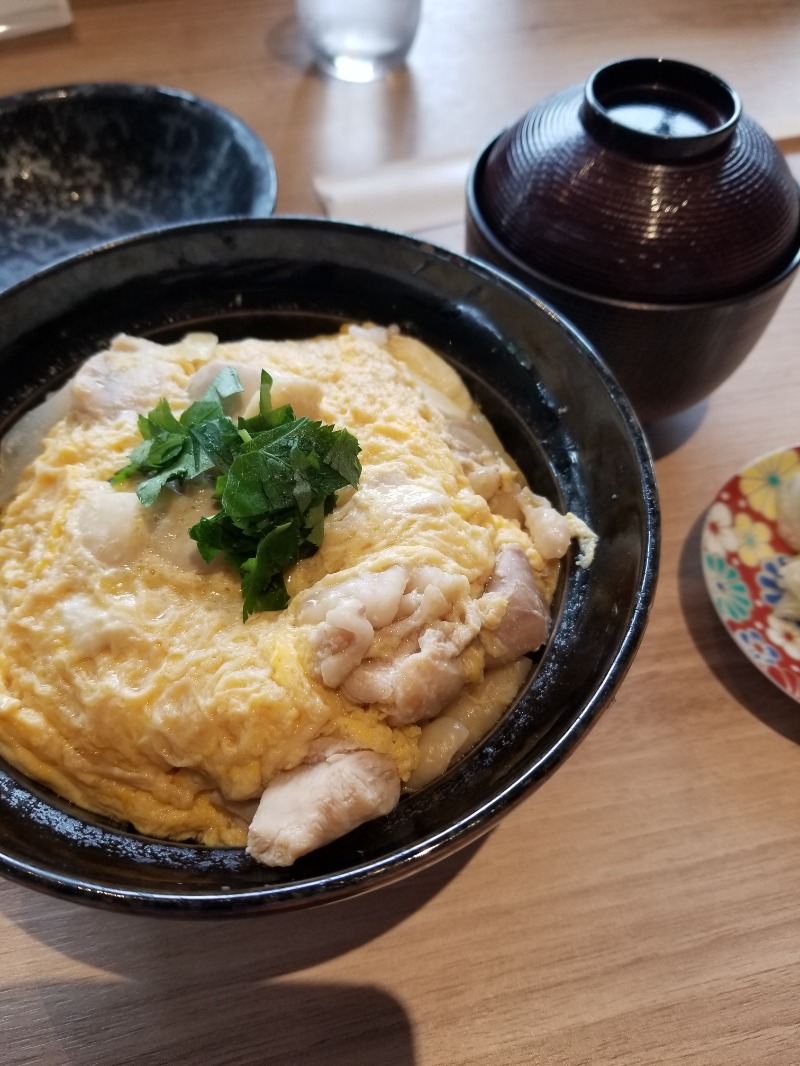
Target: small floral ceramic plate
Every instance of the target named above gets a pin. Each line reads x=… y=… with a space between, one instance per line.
x=742 y=554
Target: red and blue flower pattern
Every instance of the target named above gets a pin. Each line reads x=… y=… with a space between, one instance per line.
x=742 y=553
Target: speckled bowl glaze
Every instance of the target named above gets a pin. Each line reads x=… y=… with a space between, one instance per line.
x=84 y=164
x=558 y=412
x=654 y=213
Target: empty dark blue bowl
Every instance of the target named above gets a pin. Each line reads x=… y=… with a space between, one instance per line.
x=85 y=164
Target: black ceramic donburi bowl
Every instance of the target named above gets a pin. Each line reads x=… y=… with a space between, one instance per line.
x=558 y=412
x=84 y=164
x=666 y=356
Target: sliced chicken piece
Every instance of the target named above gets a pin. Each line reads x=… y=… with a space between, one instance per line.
x=345 y=617
x=483 y=467
x=426 y=681
x=505 y=503
x=373 y=681
x=108 y=523
x=431 y=594
x=552 y=531
x=417 y=610
x=390 y=489
x=379 y=592
x=318 y=802
x=372 y=333
x=526 y=620
x=129 y=376
x=549 y=529
x=441 y=378
x=412 y=665
x=467 y=720
x=412 y=685
x=586 y=538
x=454 y=586
x=418 y=681
x=439 y=741
x=342 y=641
x=249 y=378
x=303 y=394
x=92 y=624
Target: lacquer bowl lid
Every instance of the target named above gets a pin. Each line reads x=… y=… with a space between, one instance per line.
x=649 y=182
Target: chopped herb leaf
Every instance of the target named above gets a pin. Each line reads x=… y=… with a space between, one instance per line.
x=276 y=477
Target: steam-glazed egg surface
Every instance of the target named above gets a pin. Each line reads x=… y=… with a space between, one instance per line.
x=129 y=682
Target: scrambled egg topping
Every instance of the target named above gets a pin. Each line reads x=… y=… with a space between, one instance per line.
x=128 y=682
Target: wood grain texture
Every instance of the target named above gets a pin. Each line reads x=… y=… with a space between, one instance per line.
x=641 y=907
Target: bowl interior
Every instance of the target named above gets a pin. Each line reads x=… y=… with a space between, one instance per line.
x=86 y=164
x=557 y=411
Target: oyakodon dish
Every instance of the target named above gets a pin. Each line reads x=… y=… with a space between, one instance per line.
x=129 y=682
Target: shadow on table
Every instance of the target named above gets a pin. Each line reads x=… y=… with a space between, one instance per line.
x=261 y=946
x=154 y=990
x=88 y=1022
x=668 y=434
x=744 y=682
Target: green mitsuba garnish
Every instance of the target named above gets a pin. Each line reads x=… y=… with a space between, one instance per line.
x=276 y=478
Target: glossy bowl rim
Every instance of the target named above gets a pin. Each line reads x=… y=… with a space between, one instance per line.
x=653 y=145
x=481 y=817
x=513 y=263
x=258 y=155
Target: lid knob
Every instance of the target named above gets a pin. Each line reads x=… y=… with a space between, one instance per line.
x=660 y=110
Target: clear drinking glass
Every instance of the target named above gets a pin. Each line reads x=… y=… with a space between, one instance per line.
x=359 y=40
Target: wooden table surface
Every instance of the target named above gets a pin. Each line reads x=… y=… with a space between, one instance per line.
x=643 y=906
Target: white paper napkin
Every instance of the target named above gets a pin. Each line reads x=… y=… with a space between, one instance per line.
x=422 y=196
x=412 y=196
x=18 y=17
